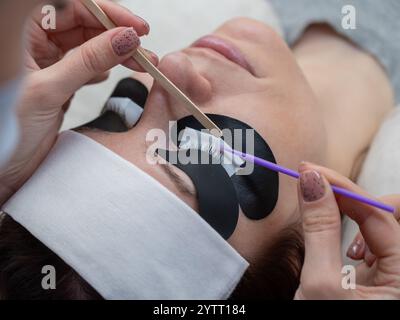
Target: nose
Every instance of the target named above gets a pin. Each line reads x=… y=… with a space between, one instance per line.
x=249 y=30
x=181 y=71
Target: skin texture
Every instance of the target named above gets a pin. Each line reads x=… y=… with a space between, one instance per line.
x=284 y=99
x=350 y=86
x=10 y=60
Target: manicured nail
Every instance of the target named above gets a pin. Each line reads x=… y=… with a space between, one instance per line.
x=154 y=58
x=145 y=24
x=312 y=186
x=125 y=42
x=355 y=248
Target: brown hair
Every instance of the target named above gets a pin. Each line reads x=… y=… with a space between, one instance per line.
x=22 y=258
x=275 y=276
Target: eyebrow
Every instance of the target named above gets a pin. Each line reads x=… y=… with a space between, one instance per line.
x=181 y=184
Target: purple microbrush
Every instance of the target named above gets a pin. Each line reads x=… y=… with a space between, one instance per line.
x=277 y=168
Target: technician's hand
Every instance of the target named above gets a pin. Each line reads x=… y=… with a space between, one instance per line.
x=321 y=276
x=54 y=76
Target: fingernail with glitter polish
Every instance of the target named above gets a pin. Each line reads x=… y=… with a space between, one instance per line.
x=125 y=42
x=312 y=186
x=145 y=24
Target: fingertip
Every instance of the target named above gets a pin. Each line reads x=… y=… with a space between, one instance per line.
x=145 y=25
x=303 y=166
x=133 y=65
x=369 y=257
x=357 y=249
x=122 y=16
x=318 y=205
x=312 y=186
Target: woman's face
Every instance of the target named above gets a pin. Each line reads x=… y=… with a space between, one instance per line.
x=244 y=70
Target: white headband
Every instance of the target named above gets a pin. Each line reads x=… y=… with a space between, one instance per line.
x=120 y=229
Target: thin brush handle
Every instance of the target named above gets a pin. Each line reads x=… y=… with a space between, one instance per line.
x=141 y=58
x=341 y=191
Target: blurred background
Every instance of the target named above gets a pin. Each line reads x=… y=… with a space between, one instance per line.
x=175 y=24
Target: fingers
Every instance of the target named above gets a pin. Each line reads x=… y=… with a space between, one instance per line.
x=74 y=37
x=322 y=235
x=76 y=25
x=356 y=250
x=132 y=64
x=91 y=59
x=70 y=39
x=121 y=16
x=99 y=78
x=394 y=200
x=75 y=14
x=366 y=274
x=379 y=229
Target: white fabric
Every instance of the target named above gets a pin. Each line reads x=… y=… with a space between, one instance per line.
x=120 y=229
x=380 y=174
x=8 y=120
x=128 y=110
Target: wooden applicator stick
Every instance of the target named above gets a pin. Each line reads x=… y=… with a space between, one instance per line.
x=141 y=58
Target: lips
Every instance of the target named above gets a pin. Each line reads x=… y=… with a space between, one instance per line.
x=226 y=49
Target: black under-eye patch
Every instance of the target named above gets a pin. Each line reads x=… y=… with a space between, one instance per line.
x=258 y=192
x=216 y=195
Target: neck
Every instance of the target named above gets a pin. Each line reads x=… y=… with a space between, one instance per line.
x=352 y=89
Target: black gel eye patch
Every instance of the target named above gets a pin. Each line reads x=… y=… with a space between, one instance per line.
x=258 y=192
x=110 y=121
x=216 y=195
